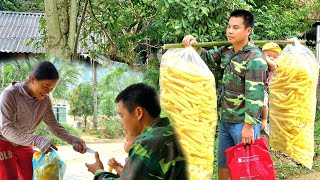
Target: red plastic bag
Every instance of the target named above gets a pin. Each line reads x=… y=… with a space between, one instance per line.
x=250 y=162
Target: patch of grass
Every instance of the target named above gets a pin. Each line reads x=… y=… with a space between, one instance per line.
x=284 y=166
x=110 y=128
x=96 y=133
x=215 y=162
x=44 y=131
x=317 y=136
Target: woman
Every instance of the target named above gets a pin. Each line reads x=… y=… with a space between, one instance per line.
x=23 y=105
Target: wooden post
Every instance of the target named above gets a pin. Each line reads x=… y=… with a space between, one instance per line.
x=95 y=95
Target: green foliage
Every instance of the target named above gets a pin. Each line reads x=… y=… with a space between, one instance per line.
x=112 y=127
x=280 y=20
x=111 y=85
x=317 y=135
x=114 y=21
x=22 y=5
x=69 y=76
x=81 y=100
x=109 y=127
x=44 y=131
x=215 y=162
x=19 y=70
x=40 y=42
x=152 y=73
x=127 y=30
x=7 y=5
x=15 y=70
x=206 y=20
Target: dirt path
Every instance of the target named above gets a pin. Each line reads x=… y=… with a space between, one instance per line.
x=312 y=176
x=76 y=170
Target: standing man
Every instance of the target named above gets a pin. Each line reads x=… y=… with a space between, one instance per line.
x=243 y=70
x=155 y=153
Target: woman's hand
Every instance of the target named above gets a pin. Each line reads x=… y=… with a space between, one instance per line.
x=80 y=147
x=50 y=148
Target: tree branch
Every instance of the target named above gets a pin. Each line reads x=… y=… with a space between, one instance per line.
x=75 y=45
x=106 y=33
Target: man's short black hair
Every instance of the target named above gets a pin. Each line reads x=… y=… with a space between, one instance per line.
x=142 y=95
x=247 y=16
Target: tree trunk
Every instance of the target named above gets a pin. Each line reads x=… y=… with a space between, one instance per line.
x=62 y=7
x=57 y=28
x=72 y=22
x=95 y=102
x=74 y=48
x=85 y=122
x=53 y=25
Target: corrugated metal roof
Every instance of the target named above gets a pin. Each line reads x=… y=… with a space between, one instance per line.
x=17 y=29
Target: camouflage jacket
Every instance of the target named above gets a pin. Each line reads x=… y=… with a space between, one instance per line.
x=155 y=154
x=243 y=79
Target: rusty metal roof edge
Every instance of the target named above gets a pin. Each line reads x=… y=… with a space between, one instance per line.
x=24 y=13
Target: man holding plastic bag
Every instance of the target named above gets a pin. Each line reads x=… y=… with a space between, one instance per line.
x=243 y=68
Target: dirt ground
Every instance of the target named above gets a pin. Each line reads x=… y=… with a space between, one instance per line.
x=312 y=176
x=76 y=169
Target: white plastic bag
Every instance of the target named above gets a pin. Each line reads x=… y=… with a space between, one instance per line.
x=293 y=103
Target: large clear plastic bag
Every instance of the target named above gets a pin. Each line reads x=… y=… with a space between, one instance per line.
x=188 y=94
x=292 y=103
x=48 y=166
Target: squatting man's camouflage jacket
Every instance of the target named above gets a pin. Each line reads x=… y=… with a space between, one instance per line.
x=155 y=154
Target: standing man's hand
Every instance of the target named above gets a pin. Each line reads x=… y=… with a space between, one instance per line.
x=93 y=168
x=263 y=124
x=189 y=40
x=247 y=134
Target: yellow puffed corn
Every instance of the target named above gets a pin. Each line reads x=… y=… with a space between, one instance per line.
x=48 y=170
x=292 y=103
x=188 y=94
